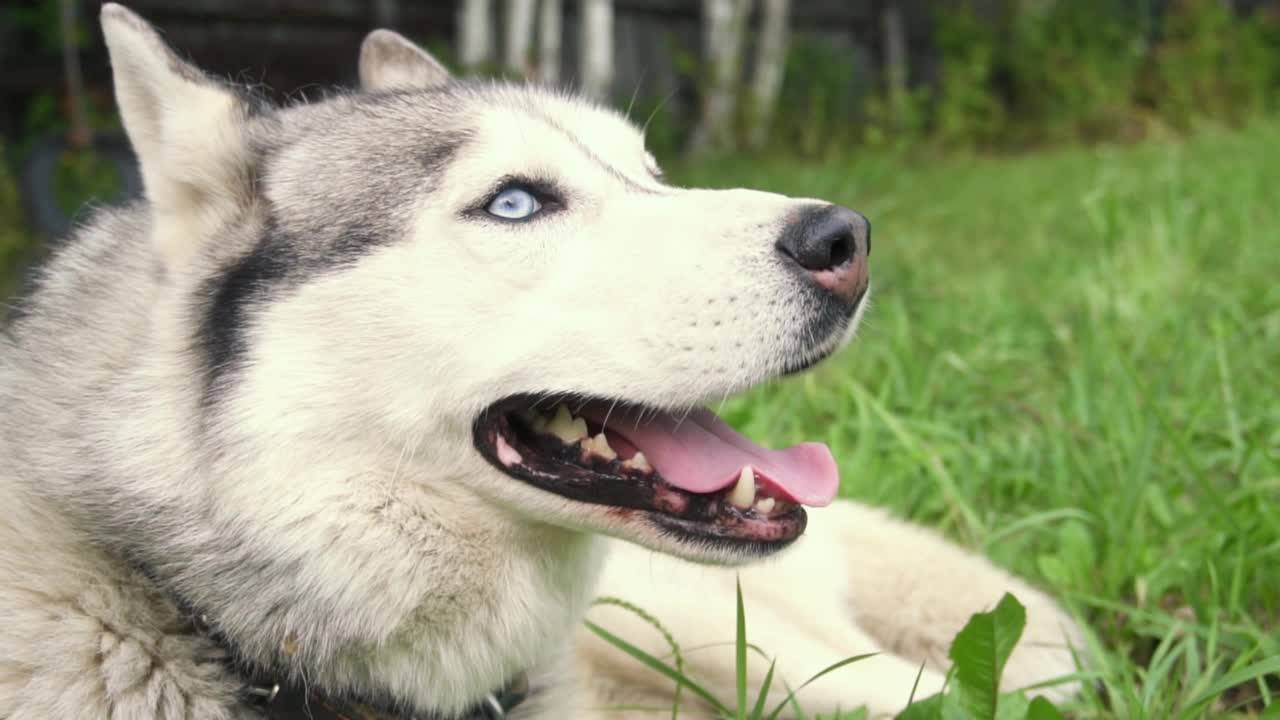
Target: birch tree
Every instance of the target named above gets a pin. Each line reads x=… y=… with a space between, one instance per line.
x=549 y=31
x=723 y=27
x=475 y=34
x=519 y=35
x=895 y=60
x=597 y=48
x=771 y=59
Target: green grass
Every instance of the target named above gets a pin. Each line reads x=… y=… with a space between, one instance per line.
x=1072 y=364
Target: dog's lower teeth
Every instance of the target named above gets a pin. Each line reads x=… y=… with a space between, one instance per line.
x=765 y=505
x=599 y=445
x=638 y=462
x=744 y=492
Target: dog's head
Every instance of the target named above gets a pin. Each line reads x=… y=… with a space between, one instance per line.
x=492 y=287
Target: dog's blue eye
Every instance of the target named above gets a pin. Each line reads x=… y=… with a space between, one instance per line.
x=514 y=204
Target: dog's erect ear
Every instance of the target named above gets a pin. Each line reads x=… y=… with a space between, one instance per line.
x=188 y=130
x=389 y=60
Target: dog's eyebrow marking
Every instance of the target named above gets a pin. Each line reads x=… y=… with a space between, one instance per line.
x=611 y=170
x=287 y=252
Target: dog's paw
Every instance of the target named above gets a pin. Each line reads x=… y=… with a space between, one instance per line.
x=912 y=590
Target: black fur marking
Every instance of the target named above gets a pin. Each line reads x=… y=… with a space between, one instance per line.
x=247 y=280
x=278 y=263
x=367 y=218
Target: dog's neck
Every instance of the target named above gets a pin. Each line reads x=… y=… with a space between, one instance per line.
x=378 y=677
x=280 y=696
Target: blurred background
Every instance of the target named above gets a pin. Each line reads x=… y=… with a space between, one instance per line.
x=1071 y=360
x=811 y=77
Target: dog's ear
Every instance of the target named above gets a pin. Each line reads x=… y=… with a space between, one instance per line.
x=389 y=60
x=189 y=131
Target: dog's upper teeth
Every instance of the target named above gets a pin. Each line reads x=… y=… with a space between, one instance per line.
x=600 y=446
x=744 y=492
x=638 y=462
x=566 y=427
x=764 y=506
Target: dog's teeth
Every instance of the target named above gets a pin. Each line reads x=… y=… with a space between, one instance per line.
x=566 y=427
x=638 y=462
x=600 y=446
x=562 y=414
x=764 y=506
x=744 y=492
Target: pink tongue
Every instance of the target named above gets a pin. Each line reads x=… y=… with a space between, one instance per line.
x=702 y=454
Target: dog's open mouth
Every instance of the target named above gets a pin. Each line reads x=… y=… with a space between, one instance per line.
x=692 y=474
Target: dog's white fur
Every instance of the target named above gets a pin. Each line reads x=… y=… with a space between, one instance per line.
x=330 y=513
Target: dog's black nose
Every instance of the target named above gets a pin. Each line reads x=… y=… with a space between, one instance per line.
x=831 y=244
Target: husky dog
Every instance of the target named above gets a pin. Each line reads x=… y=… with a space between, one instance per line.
x=337 y=421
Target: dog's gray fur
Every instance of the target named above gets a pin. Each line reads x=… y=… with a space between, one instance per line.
x=253 y=391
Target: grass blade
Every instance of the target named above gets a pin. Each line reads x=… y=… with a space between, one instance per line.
x=658 y=666
x=825 y=671
x=1269 y=666
x=757 y=713
x=915 y=685
x=741 y=654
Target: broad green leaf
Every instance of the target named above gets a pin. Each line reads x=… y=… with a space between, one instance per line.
x=980 y=651
x=1013 y=706
x=1041 y=709
x=928 y=709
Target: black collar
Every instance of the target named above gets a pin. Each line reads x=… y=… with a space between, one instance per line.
x=279 y=698
x=292 y=702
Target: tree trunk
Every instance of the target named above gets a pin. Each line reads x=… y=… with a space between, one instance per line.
x=519 y=36
x=549 y=31
x=724 y=22
x=771 y=60
x=895 y=60
x=597 y=49
x=475 y=34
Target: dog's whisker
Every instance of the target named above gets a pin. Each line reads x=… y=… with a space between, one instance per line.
x=636 y=92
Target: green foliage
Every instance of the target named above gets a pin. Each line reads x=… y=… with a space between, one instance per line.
x=1212 y=65
x=82 y=176
x=822 y=94
x=1015 y=73
x=967 y=112
x=979 y=653
x=42 y=18
x=16 y=245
